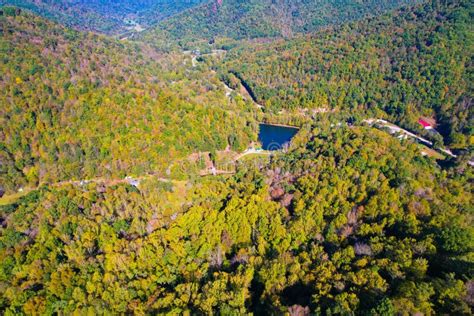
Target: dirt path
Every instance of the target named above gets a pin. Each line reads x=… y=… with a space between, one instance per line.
x=395 y=129
x=100 y=180
x=110 y=182
x=252 y=151
x=135 y=181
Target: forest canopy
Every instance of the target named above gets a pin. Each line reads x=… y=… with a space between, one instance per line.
x=248 y=19
x=349 y=221
x=408 y=63
x=104 y=208
x=78 y=105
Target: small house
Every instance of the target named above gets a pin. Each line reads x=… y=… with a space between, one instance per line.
x=425 y=123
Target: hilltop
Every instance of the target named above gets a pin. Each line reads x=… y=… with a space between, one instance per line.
x=238 y=19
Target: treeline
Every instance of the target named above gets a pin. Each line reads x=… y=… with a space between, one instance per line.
x=239 y=19
x=68 y=14
x=106 y=16
x=350 y=221
x=77 y=105
x=413 y=62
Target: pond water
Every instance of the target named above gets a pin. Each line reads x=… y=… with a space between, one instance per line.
x=274 y=137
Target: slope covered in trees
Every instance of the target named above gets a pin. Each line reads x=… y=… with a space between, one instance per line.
x=77 y=105
x=239 y=19
x=412 y=62
x=106 y=16
x=350 y=221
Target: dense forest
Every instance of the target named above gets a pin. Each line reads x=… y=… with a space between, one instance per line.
x=105 y=16
x=102 y=207
x=350 y=221
x=240 y=19
x=407 y=63
x=77 y=105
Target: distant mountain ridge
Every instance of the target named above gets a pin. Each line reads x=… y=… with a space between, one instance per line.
x=240 y=19
x=104 y=16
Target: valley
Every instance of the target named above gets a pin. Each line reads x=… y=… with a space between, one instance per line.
x=121 y=18
x=236 y=157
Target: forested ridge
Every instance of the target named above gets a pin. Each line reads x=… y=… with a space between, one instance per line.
x=344 y=220
x=350 y=221
x=406 y=64
x=241 y=19
x=104 y=16
x=78 y=105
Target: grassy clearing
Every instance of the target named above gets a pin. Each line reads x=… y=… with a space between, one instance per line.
x=431 y=152
x=262 y=157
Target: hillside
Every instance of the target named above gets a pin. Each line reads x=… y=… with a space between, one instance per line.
x=241 y=19
x=348 y=221
x=411 y=63
x=77 y=105
x=105 y=16
x=135 y=180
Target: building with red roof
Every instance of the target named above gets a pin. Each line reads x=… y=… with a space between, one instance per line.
x=425 y=124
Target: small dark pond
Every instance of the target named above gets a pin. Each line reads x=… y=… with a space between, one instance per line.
x=274 y=137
